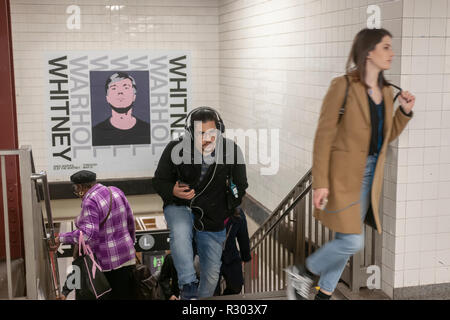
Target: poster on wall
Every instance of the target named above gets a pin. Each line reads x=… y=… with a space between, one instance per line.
x=114 y=112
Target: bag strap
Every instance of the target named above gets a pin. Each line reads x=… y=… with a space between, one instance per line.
x=226 y=238
x=109 y=210
x=88 y=252
x=342 y=110
x=230 y=172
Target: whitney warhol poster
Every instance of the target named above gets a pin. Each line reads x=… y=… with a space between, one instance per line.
x=114 y=112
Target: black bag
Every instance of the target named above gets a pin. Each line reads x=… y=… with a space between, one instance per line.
x=147 y=286
x=93 y=283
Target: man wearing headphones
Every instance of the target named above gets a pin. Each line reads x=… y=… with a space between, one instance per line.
x=196 y=177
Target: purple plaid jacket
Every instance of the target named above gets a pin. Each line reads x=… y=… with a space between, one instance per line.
x=113 y=243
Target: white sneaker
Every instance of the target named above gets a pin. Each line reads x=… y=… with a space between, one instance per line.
x=299 y=283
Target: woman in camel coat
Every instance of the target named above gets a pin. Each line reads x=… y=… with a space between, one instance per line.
x=348 y=159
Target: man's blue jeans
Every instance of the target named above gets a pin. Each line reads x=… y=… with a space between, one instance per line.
x=180 y=221
x=329 y=261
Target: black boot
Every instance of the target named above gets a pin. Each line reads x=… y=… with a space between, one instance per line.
x=322 y=296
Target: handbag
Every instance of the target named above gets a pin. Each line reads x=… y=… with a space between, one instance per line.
x=146 y=285
x=93 y=283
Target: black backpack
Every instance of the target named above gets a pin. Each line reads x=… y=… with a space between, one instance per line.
x=146 y=285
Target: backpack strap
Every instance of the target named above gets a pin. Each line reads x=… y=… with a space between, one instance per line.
x=342 y=110
x=109 y=210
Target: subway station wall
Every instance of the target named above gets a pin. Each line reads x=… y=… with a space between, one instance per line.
x=417 y=209
x=266 y=64
x=131 y=28
x=277 y=59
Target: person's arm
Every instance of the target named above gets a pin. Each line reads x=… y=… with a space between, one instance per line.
x=243 y=239
x=401 y=119
x=326 y=132
x=130 y=219
x=88 y=223
x=165 y=175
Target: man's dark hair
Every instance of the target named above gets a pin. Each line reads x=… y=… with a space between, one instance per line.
x=117 y=77
x=204 y=115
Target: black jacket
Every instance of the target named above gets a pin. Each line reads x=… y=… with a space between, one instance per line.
x=213 y=199
x=237 y=230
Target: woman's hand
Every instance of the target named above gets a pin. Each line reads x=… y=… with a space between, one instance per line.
x=407 y=101
x=182 y=191
x=319 y=196
x=55 y=246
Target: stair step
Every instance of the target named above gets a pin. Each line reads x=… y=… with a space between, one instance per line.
x=272 y=295
x=18 y=278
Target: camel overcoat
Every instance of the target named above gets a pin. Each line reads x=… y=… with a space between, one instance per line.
x=340 y=154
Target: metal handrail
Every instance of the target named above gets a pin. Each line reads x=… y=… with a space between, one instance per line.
x=41 y=276
x=289 y=235
x=43 y=177
x=6 y=220
x=286 y=199
x=283 y=215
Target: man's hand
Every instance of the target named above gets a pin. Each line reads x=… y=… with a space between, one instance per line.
x=181 y=191
x=61 y=297
x=319 y=195
x=55 y=246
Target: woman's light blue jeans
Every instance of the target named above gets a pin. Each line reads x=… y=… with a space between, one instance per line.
x=180 y=221
x=330 y=260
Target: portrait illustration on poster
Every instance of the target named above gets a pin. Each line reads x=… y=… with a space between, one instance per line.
x=106 y=108
x=120 y=108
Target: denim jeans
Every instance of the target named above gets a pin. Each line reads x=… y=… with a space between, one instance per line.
x=180 y=221
x=330 y=260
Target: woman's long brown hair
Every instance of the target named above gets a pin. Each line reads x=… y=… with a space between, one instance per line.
x=364 y=42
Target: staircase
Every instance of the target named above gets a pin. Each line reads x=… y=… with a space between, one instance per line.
x=289 y=235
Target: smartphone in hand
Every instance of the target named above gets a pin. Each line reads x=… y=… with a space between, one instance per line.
x=182 y=184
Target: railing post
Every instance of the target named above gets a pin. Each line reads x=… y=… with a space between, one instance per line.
x=6 y=221
x=52 y=262
x=355 y=272
x=248 y=277
x=300 y=248
x=28 y=222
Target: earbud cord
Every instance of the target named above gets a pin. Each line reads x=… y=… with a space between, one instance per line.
x=203 y=190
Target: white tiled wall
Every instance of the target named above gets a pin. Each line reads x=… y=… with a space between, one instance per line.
x=276 y=61
x=40 y=26
x=420 y=161
x=267 y=64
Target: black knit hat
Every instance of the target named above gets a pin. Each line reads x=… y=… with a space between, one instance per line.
x=83 y=176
